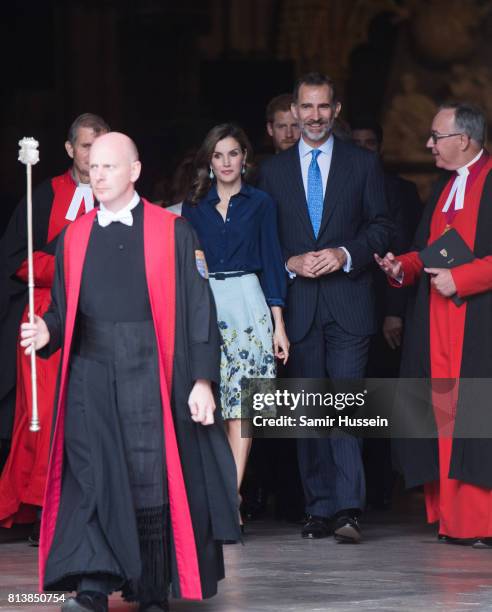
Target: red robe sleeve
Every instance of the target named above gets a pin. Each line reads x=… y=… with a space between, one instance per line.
x=474 y=277
x=412 y=267
x=44 y=269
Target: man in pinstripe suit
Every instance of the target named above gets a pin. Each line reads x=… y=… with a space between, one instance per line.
x=332 y=217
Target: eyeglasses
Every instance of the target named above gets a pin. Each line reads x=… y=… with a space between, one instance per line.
x=435 y=136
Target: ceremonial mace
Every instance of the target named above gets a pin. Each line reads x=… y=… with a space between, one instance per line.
x=29 y=155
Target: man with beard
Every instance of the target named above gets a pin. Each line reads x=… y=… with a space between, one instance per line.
x=332 y=212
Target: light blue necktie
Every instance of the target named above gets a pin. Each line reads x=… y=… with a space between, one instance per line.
x=315 y=192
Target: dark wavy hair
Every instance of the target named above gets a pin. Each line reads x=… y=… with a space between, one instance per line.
x=201 y=180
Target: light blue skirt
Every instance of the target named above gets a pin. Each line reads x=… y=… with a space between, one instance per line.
x=246 y=329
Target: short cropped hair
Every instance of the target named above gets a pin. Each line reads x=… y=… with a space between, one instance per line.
x=87 y=120
x=315 y=79
x=469 y=119
x=280 y=103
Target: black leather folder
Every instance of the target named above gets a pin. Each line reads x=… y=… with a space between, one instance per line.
x=448 y=251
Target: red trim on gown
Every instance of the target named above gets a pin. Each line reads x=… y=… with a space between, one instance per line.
x=159 y=258
x=23 y=478
x=463 y=510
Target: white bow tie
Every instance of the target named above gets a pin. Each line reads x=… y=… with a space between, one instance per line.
x=105 y=217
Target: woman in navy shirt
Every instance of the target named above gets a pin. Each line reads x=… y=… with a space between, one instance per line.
x=237 y=228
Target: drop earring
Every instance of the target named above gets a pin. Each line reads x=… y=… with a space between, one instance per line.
x=243 y=169
x=211 y=174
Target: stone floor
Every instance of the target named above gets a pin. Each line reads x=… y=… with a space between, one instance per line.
x=400 y=566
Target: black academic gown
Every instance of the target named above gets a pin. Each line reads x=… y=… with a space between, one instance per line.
x=114 y=275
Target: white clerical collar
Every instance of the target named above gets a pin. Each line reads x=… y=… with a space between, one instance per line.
x=124 y=215
x=325 y=147
x=458 y=189
x=470 y=163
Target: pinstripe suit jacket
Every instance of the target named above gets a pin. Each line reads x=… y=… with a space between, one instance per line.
x=355 y=216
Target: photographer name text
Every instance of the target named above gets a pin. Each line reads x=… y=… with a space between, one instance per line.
x=327 y=421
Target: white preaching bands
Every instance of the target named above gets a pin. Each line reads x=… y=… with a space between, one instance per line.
x=82 y=192
x=458 y=189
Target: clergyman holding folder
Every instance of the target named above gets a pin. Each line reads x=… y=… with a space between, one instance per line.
x=449 y=326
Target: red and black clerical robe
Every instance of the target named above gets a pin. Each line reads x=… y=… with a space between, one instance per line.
x=201 y=478
x=24 y=476
x=445 y=341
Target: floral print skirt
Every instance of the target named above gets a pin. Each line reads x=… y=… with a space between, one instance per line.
x=246 y=330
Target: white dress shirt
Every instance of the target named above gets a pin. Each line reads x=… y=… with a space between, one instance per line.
x=324 y=163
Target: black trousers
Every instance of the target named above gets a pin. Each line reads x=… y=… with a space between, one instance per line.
x=331 y=468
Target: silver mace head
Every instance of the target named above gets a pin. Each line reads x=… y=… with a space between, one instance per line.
x=28 y=151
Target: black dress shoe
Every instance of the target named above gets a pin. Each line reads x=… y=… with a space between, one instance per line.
x=316 y=527
x=86 y=601
x=444 y=539
x=33 y=538
x=346 y=530
x=482 y=543
x=474 y=542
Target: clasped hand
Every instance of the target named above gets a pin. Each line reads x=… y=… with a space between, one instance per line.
x=317 y=263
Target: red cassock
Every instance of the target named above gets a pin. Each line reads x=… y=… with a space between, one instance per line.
x=23 y=478
x=463 y=510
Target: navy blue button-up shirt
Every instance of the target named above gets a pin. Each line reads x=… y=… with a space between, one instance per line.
x=246 y=241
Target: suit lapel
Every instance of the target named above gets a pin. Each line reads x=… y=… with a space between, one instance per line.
x=293 y=179
x=337 y=177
